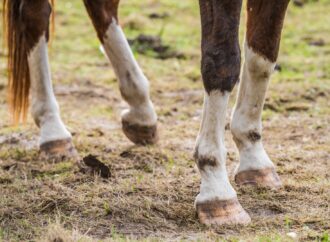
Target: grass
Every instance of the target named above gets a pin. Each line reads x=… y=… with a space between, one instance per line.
x=151 y=193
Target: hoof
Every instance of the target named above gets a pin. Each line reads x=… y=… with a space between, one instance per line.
x=222 y=212
x=58 y=149
x=140 y=134
x=264 y=177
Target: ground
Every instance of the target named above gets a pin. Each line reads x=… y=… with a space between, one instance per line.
x=151 y=191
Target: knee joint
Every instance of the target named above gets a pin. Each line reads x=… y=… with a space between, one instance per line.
x=221 y=68
x=102 y=13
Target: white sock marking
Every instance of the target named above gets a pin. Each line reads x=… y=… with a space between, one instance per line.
x=44 y=108
x=210 y=143
x=247 y=113
x=133 y=85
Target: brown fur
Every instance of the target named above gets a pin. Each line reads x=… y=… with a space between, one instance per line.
x=24 y=23
x=221 y=59
x=204 y=161
x=102 y=12
x=254 y=136
x=264 y=26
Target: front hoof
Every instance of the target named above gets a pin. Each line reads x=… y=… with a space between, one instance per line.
x=140 y=134
x=264 y=177
x=222 y=212
x=58 y=149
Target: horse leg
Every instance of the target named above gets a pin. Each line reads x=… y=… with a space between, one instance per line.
x=139 y=122
x=28 y=30
x=217 y=201
x=264 y=26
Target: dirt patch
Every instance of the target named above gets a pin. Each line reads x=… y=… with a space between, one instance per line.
x=148 y=44
x=95 y=166
x=158 y=15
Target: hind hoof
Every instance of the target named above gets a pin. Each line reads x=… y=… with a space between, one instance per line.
x=264 y=177
x=222 y=212
x=58 y=149
x=140 y=134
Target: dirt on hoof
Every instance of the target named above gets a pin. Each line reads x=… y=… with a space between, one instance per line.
x=142 y=135
x=95 y=166
x=222 y=212
x=264 y=178
x=58 y=149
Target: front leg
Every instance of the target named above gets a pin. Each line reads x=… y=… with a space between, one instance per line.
x=264 y=25
x=217 y=201
x=139 y=122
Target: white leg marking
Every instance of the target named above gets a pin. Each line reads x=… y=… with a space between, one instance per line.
x=45 y=109
x=246 y=120
x=210 y=144
x=133 y=85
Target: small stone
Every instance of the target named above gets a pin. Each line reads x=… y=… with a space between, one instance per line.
x=292 y=235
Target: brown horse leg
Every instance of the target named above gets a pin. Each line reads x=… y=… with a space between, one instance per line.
x=217 y=201
x=28 y=24
x=140 y=120
x=264 y=26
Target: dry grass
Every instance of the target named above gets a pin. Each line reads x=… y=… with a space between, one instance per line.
x=151 y=193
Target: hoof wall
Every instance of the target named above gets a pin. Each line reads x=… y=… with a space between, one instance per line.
x=222 y=212
x=58 y=149
x=264 y=177
x=140 y=134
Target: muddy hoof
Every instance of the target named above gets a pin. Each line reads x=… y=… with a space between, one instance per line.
x=58 y=149
x=264 y=177
x=139 y=134
x=222 y=212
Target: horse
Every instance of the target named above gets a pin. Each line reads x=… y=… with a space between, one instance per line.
x=27 y=25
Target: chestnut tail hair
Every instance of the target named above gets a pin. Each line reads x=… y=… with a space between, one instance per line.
x=18 y=69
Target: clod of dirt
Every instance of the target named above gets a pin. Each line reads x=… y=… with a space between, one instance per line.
x=126 y=154
x=158 y=15
x=298 y=3
x=5 y=180
x=58 y=239
x=271 y=107
x=97 y=166
x=318 y=42
x=8 y=167
x=297 y=107
x=144 y=44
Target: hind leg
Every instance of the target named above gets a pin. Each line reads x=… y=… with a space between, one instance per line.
x=55 y=139
x=139 y=122
x=265 y=20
